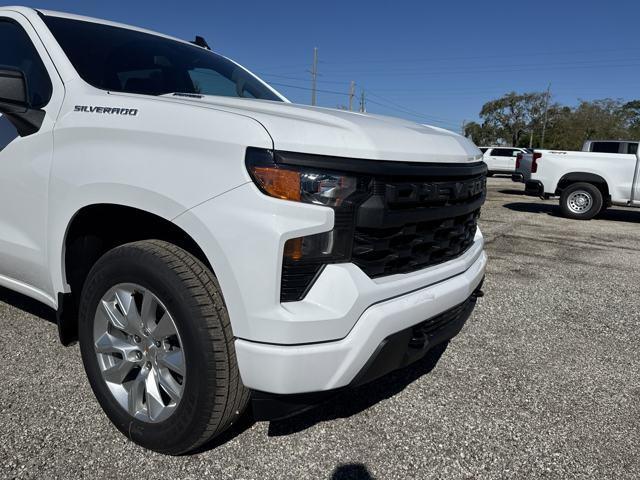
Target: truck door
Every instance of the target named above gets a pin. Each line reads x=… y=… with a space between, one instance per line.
x=635 y=186
x=25 y=162
x=511 y=160
x=496 y=159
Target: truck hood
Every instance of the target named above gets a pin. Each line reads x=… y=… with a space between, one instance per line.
x=325 y=131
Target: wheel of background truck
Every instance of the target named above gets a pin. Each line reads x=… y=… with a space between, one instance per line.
x=157 y=347
x=581 y=201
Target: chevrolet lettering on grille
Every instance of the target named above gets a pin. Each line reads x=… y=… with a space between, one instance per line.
x=434 y=191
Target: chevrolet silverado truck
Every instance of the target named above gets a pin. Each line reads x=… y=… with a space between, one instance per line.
x=585 y=182
x=211 y=245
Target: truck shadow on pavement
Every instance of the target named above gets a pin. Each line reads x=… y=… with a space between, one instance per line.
x=343 y=405
x=510 y=191
x=611 y=214
x=351 y=471
x=28 y=305
x=351 y=402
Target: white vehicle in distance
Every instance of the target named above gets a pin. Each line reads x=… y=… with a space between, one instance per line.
x=211 y=244
x=585 y=182
x=502 y=160
x=611 y=146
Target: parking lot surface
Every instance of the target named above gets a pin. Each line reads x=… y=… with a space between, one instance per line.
x=543 y=381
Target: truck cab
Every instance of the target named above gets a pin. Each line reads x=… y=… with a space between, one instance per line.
x=623 y=147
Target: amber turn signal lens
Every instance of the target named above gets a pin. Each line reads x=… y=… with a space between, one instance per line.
x=279 y=182
x=293 y=249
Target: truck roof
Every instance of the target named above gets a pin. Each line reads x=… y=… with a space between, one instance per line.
x=28 y=11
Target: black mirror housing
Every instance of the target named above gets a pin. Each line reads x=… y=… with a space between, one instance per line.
x=13 y=92
x=14 y=102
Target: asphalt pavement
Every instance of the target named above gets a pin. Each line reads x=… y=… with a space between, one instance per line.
x=543 y=381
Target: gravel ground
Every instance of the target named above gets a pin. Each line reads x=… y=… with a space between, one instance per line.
x=543 y=381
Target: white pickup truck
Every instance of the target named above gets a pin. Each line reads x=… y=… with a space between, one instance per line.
x=586 y=182
x=209 y=243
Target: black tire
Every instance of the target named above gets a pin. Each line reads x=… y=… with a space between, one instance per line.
x=213 y=394
x=571 y=209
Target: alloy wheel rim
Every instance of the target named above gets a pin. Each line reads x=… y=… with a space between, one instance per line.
x=139 y=352
x=580 y=201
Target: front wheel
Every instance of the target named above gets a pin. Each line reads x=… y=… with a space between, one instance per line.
x=157 y=347
x=581 y=201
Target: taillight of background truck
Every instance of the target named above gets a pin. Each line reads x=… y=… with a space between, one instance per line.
x=534 y=163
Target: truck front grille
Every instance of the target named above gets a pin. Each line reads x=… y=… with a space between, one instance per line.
x=413 y=246
x=401 y=222
x=407 y=226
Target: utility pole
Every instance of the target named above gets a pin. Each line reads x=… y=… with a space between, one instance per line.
x=314 y=76
x=531 y=138
x=546 y=111
x=352 y=93
x=464 y=125
x=363 y=105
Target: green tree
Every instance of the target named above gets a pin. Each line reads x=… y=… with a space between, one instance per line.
x=480 y=134
x=513 y=117
x=517 y=119
x=632 y=116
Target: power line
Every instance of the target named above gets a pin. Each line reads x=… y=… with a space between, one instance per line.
x=482 y=70
x=411 y=111
x=388 y=106
x=479 y=57
x=423 y=117
x=319 y=90
x=300 y=79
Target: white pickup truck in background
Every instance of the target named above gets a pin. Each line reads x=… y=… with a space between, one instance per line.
x=586 y=182
x=502 y=159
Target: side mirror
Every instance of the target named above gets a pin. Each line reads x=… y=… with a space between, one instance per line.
x=13 y=92
x=14 y=103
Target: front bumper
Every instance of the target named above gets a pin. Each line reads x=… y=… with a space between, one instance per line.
x=293 y=369
x=394 y=352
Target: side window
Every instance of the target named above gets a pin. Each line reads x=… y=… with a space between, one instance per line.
x=8 y=132
x=605 y=147
x=632 y=148
x=483 y=149
x=17 y=52
x=501 y=152
x=205 y=80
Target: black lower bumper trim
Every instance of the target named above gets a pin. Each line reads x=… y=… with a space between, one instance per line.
x=534 y=188
x=394 y=352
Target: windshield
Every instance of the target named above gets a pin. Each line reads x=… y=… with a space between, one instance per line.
x=123 y=60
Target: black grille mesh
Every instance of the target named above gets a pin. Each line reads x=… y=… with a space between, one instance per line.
x=409 y=247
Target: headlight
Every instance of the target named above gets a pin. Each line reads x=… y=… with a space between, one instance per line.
x=297 y=184
x=304 y=257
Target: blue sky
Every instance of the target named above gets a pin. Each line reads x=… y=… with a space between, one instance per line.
x=433 y=62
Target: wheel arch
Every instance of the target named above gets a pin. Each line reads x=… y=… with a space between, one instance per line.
x=95 y=229
x=586 y=177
